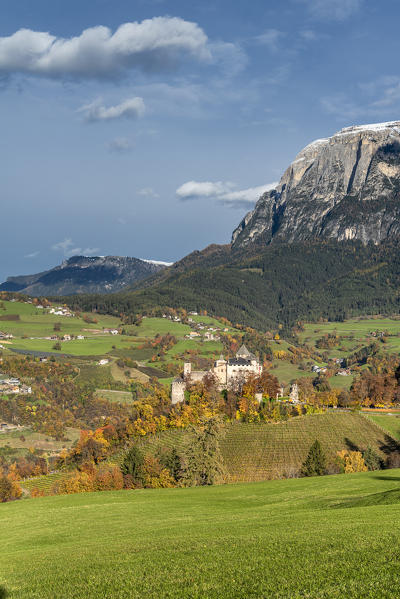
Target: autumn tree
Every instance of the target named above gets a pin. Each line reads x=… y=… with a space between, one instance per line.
x=9 y=490
x=352 y=461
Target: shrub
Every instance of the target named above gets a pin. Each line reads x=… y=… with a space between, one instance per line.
x=393 y=461
x=155 y=476
x=372 y=459
x=9 y=490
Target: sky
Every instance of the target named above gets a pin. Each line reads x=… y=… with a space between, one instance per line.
x=149 y=128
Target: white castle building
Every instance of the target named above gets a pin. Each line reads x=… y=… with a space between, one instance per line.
x=225 y=372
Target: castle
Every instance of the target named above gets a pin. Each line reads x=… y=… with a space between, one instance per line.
x=224 y=371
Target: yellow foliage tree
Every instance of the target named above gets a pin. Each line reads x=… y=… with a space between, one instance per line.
x=352 y=461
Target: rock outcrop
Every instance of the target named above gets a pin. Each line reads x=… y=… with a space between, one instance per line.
x=344 y=187
x=83 y=274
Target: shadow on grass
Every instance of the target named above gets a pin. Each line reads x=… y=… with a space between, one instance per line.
x=3 y=592
x=385 y=498
x=350 y=445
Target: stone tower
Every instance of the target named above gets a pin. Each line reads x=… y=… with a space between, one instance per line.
x=178 y=391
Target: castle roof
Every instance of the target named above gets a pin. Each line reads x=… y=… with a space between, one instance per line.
x=244 y=353
x=238 y=362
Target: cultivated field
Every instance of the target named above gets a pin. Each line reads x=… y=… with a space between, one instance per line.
x=331 y=537
x=260 y=451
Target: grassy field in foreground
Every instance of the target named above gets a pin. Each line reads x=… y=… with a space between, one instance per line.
x=332 y=537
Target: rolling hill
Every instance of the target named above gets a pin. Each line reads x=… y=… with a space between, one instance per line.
x=258 y=451
x=322 y=538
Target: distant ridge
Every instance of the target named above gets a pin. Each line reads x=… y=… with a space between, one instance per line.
x=84 y=274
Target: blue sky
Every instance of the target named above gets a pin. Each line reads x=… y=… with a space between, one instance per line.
x=148 y=128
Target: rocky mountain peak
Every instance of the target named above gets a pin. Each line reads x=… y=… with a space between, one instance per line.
x=346 y=187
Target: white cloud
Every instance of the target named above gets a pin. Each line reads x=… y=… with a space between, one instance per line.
x=67 y=247
x=333 y=9
x=99 y=53
x=148 y=192
x=223 y=192
x=203 y=189
x=270 y=38
x=32 y=255
x=120 y=145
x=131 y=108
x=63 y=245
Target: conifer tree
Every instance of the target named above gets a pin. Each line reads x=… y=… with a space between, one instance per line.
x=202 y=459
x=372 y=459
x=133 y=465
x=315 y=462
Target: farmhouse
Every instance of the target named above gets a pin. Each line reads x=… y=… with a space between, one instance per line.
x=5 y=335
x=226 y=372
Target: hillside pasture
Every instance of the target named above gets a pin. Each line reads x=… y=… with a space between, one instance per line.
x=25 y=438
x=389 y=423
x=354 y=333
x=90 y=346
x=35 y=322
x=323 y=538
x=150 y=327
x=115 y=396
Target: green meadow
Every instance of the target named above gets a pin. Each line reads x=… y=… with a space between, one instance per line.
x=388 y=422
x=331 y=537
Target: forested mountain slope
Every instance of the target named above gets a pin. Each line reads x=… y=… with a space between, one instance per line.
x=262 y=286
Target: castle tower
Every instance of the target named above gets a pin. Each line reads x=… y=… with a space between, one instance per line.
x=294 y=393
x=187 y=369
x=220 y=371
x=178 y=391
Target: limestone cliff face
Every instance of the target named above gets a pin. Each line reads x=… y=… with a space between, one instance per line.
x=344 y=187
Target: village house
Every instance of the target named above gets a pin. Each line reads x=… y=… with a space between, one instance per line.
x=13 y=385
x=211 y=336
x=5 y=335
x=193 y=335
x=343 y=372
